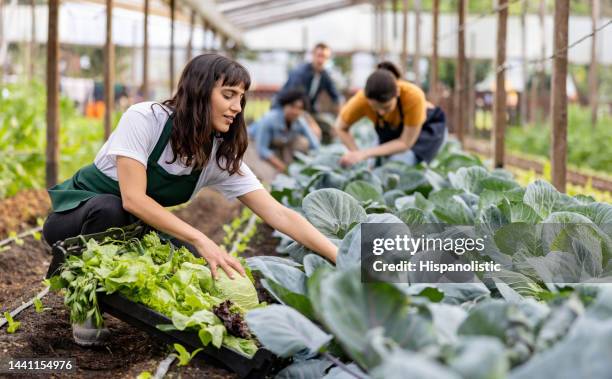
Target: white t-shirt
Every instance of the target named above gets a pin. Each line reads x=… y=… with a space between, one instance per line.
x=136 y=136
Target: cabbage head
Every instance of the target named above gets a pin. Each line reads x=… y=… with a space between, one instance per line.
x=239 y=290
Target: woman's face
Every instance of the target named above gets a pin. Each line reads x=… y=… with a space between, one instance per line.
x=225 y=105
x=383 y=108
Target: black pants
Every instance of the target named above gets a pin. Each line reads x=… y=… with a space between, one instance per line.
x=93 y=216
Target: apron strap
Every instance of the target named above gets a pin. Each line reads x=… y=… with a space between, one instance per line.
x=162 y=141
x=384 y=129
x=400 y=108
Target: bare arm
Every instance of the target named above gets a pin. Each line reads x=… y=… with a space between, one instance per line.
x=405 y=141
x=277 y=163
x=133 y=185
x=289 y=222
x=342 y=131
x=312 y=124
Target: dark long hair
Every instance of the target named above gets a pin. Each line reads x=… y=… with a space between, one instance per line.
x=192 y=131
x=391 y=67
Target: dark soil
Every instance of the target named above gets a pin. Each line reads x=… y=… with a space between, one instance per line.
x=19 y=212
x=129 y=351
x=22 y=269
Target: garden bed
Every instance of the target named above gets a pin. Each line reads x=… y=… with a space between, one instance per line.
x=129 y=350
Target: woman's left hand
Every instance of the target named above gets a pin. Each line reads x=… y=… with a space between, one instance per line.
x=352 y=157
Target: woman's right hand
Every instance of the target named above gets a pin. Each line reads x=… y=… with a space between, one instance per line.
x=217 y=257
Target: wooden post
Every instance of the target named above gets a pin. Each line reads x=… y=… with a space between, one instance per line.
x=394 y=5
x=172 y=15
x=499 y=104
x=190 y=40
x=433 y=81
x=524 y=72
x=381 y=28
x=404 y=53
x=595 y=6
x=471 y=86
x=558 y=102
x=145 y=53
x=305 y=43
x=460 y=74
x=52 y=151
x=32 y=45
x=224 y=44
x=204 y=36
x=375 y=27
x=416 y=59
x=109 y=71
x=542 y=67
x=2 y=68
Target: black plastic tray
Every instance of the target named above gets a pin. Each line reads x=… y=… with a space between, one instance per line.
x=147 y=319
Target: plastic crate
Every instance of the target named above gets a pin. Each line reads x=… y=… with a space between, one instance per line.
x=138 y=315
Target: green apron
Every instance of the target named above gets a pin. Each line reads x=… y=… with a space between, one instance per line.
x=165 y=188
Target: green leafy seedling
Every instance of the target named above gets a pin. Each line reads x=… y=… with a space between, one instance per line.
x=18 y=241
x=12 y=324
x=144 y=375
x=39 y=306
x=184 y=356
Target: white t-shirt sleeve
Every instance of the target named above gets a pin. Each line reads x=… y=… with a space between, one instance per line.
x=134 y=138
x=233 y=186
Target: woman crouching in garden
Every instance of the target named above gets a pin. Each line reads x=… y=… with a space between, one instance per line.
x=163 y=154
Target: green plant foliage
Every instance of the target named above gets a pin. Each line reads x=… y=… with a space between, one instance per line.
x=285 y=331
x=587 y=146
x=38 y=306
x=184 y=356
x=170 y=281
x=13 y=325
x=23 y=137
x=542 y=308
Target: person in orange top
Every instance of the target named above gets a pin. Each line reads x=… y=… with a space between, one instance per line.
x=409 y=128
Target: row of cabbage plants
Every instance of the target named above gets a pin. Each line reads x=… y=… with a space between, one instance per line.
x=547 y=312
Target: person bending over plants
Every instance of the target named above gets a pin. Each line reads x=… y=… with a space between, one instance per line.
x=162 y=154
x=409 y=128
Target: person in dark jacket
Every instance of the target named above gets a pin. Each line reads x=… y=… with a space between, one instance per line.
x=314 y=79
